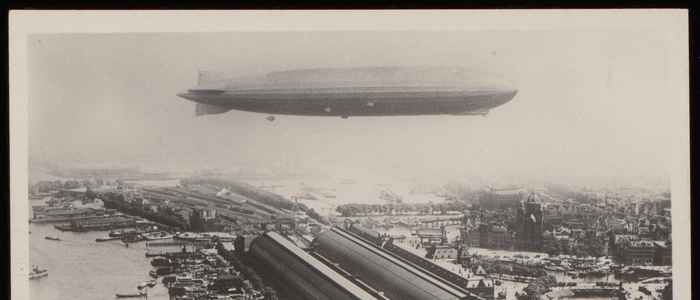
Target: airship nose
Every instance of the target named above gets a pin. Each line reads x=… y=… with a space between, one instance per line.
x=184 y=95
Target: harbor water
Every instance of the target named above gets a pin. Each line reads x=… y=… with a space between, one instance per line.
x=82 y=269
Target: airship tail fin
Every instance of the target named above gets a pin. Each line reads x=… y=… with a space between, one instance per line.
x=207 y=109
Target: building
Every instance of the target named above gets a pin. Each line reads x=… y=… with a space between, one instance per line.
x=495 y=237
x=208 y=214
x=639 y=252
x=664 y=255
x=470 y=237
x=617 y=241
x=270 y=294
x=442 y=252
x=501 y=198
x=432 y=236
x=530 y=225
x=482 y=287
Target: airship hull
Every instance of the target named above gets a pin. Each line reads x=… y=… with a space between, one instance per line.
x=345 y=104
x=378 y=91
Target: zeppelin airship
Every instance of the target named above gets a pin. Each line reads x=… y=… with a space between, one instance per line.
x=361 y=91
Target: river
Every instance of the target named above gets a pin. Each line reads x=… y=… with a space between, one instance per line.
x=80 y=268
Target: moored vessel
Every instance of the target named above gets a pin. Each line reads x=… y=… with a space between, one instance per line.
x=105 y=239
x=135 y=295
x=38 y=273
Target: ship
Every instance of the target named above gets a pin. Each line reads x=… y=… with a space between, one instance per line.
x=52 y=238
x=134 y=295
x=596 y=292
x=38 y=273
x=58 y=215
x=150 y=284
x=359 y=91
x=132 y=238
x=158 y=235
x=106 y=239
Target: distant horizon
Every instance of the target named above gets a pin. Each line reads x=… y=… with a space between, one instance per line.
x=650 y=181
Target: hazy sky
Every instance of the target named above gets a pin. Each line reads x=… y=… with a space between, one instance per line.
x=589 y=103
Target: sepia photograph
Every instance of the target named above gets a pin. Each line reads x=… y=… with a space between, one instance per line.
x=424 y=155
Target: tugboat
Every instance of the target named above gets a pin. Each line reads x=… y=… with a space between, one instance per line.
x=52 y=238
x=38 y=273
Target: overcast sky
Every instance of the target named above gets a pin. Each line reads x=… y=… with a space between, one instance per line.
x=589 y=103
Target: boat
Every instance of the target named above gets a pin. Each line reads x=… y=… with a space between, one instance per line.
x=160 y=235
x=132 y=238
x=120 y=233
x=161 y=262
x=52 y=238
x=116 y=233
x=38 y=273
x=105 y=239
x=136 y=295
x=150 y=284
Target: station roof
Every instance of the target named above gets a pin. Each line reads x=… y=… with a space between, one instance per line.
x=319 y=266
x=392 y=266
